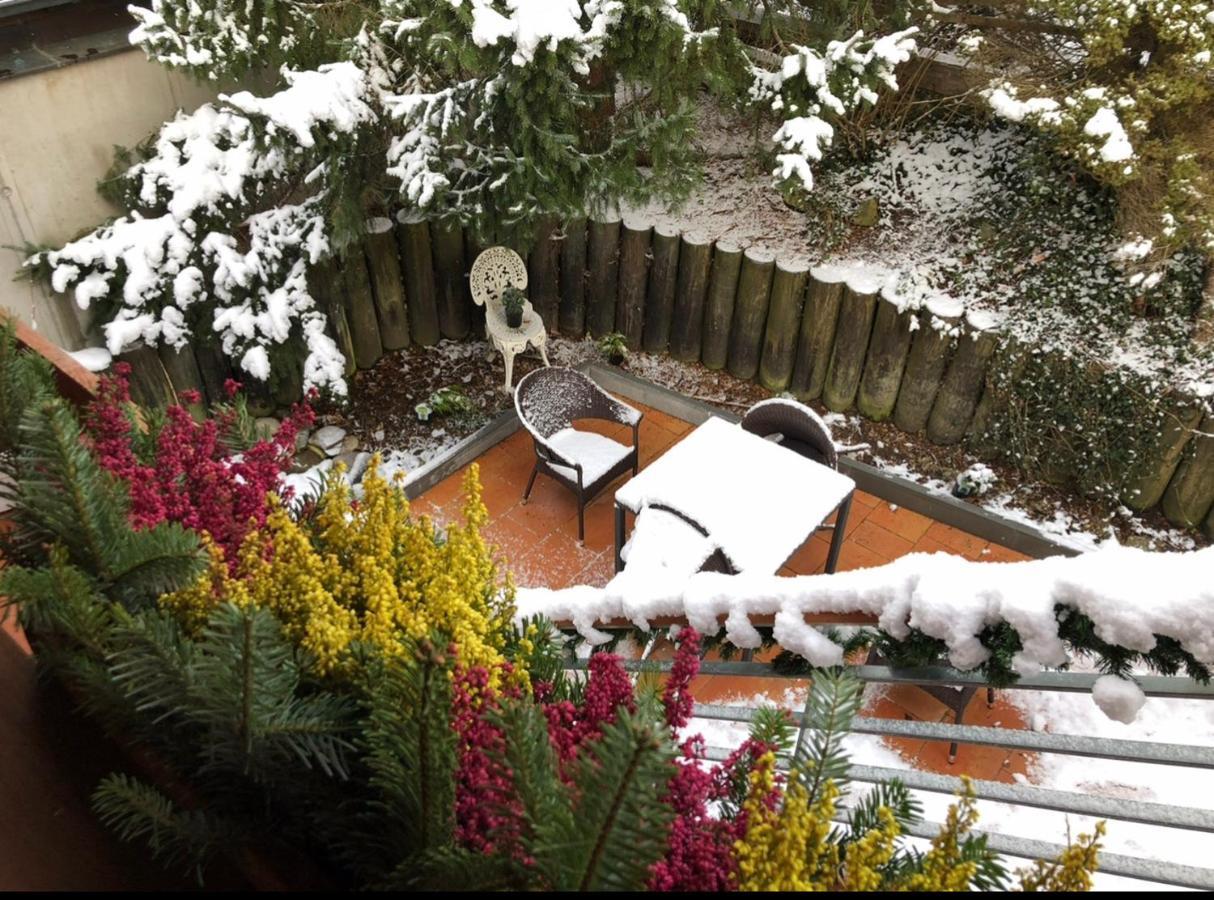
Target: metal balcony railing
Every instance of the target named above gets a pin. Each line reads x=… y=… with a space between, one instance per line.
x=1112 y=808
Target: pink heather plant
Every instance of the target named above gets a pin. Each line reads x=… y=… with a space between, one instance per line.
x=699 y=857
x=192 y=477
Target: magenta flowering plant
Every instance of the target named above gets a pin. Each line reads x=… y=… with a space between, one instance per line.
x=177 y=469
x=702 y=821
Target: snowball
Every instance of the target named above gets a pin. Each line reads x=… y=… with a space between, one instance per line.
x=1118 y=698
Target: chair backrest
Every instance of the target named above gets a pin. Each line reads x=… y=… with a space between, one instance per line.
x=801 y=429
x=551 y=398
x=493 y=270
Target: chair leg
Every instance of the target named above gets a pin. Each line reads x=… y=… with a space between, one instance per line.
x=952 y=753
x=509 y=357
x=531 y=481
x=990 y=697
x=581 y=520
x=544 y=350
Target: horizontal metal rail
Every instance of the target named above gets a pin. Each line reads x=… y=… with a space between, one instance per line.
x=1123 y=810
x=1067 y=802
x=1007 y=738
x=1174 y=687
x=1159 y=871
x=1137 y=867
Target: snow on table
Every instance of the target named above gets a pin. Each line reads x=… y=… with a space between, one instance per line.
x=758 y=501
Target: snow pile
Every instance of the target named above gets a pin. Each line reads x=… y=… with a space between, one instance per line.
x=943 y=596
x=1118 y=698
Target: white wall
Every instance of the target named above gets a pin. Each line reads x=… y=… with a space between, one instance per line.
x=58 y=129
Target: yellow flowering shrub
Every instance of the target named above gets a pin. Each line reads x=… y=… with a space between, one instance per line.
x=367 y=572
x=791 y=848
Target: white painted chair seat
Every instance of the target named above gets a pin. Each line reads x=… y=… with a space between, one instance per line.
x=494 y=270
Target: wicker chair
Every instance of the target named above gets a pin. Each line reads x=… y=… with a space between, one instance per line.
x=548 y=402
x=799 y=428
x=673 y=539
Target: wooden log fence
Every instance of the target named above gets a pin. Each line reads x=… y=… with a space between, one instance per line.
x=783 y=316
x=821 y=333
x=383 y=263
x=856 y=312
x=817 y=338
x=687 y=322
x=888 y=347
x=603 y=279
x=750 y=312
x=634 y=279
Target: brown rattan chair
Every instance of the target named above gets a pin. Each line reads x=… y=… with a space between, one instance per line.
x=548 y=402
x=798 y=427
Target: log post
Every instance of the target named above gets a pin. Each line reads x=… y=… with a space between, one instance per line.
x=1183 y=418
x=360 y=308
x=150 y=385
x=816 y=340
x=572 y=313
x=214 y=368
x=454 y=299
x=963 y=381
x=326 y=285
x=887 y=351
x=182 y=368
x=855 y=324
x=544 y=271
x=925 y=364
x=387 y=285
x=289 y=381
x=413 y=238
x=750 y=312
x=659 y=297
x=687 y=321
x=718 y=305
x=783 y=317
x=634 y=276
x=1209 y=526
x=1003 y=374
x=603 y=253
x=1189 y=497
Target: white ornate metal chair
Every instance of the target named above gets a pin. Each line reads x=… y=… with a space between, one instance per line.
x=494 y=270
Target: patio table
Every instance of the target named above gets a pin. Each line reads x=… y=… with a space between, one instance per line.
x=757 y=501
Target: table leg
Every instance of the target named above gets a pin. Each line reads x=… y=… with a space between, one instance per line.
x=619 y=537
x=836 y=539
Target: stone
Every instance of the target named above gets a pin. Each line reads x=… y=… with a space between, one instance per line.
x=1139 y=541
x=301 y=438
x=349 y=444
x=329 y=439
x=310 y=456
x=867 y=214
x=260 y=407
x=355 y=464
x=266 y=427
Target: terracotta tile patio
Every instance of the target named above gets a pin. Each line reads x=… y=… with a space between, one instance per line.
x=539 y=539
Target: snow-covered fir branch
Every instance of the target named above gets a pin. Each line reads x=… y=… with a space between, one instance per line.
x=1134 y=599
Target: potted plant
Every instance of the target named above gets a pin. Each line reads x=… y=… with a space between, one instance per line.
x=614 y=347
x=512 y=303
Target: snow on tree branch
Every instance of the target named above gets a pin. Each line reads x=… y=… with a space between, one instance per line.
x=1134 y=599
x=811 y=88
x=195 y=258
x=215 y=38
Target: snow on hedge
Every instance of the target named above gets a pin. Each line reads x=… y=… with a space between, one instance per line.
x=1130 y=595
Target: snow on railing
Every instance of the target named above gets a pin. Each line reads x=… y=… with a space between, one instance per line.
x=1132 y=597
